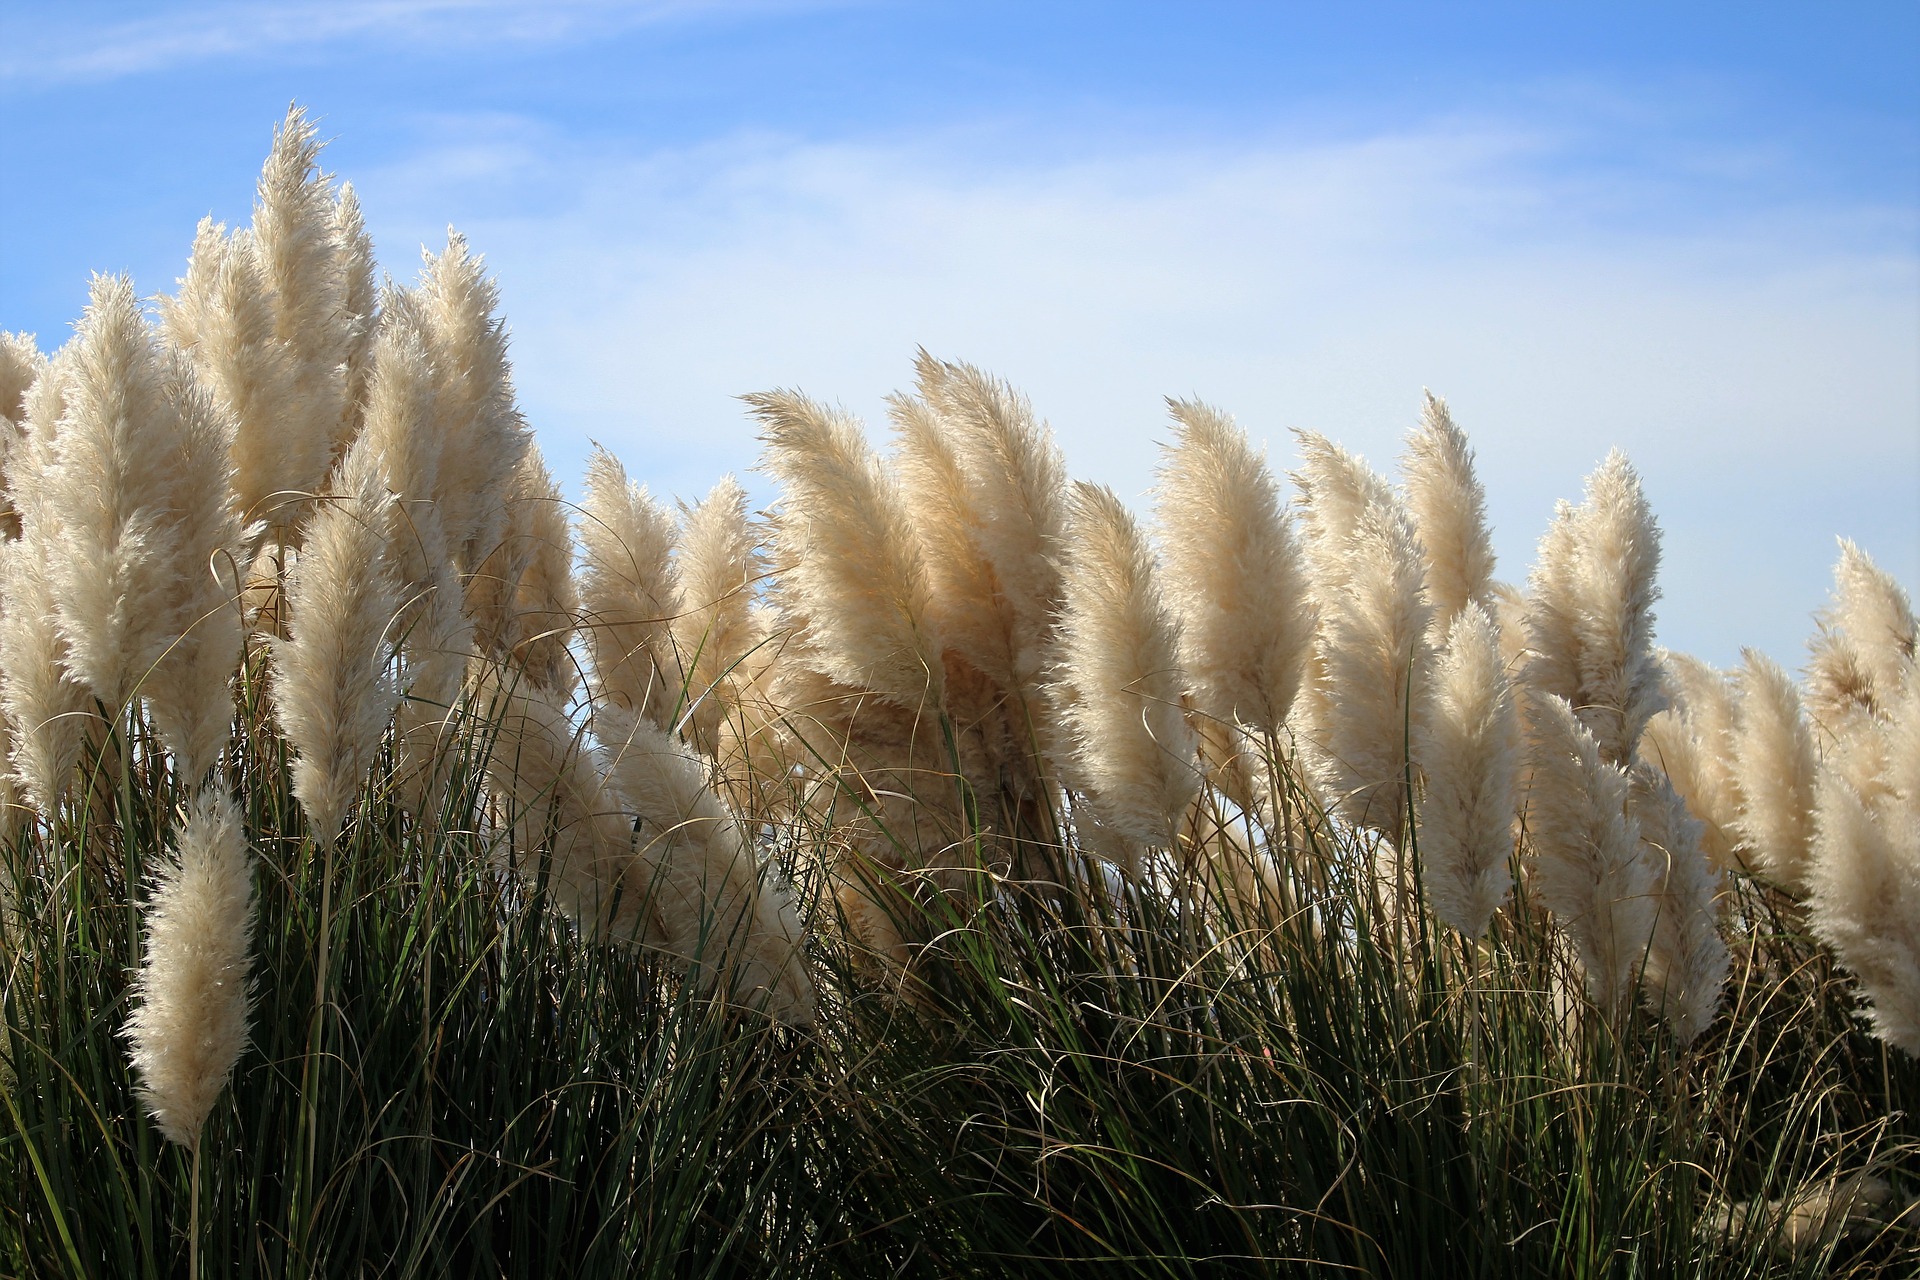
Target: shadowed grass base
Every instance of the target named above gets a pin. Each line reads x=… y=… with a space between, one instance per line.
x=1062 y=1082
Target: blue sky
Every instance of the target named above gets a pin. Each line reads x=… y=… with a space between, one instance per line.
x=1690 y=231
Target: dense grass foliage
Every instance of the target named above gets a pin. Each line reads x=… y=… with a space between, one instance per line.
x=1089 y=1071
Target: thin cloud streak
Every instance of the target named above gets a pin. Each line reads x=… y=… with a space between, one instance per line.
x=55 y=49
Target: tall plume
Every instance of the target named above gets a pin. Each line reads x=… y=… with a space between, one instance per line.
x=296 y=242
x=1592 y=623
x=359 y=304
x=718 y=567
x=20 y=363
x=1588 y=866
x=1132 y=747
x=846 y=554
x=1865 y=882
x=1864 y=649
x=1692 y=741
x=1016 y=481
x=628 y=596
x=189 y=1023
x=190 y=689
x=137 y=534
x=1372 y=661
x=47 y=709
x=1469 y=751
x=333 y=695
x=718 y=912
x=482 y=435
x=1234 y=576
x=1686 y=964
x=522 y=597
x=1773 y=766
x=1449 y=509
x=223 y=319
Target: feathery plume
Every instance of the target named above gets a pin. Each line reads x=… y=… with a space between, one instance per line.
x=848 y=561
x=1773 y=769
x=1693 y=741
x=1234 y=577
x=1686 y=963
x=1132 y=748
x=295 y=244
x=967 y=604
x=1509 y=610
x=1367 y=701
x=482 y=435
x=628 y=596
x=332 y=694
x=1017 y=479
x=190 y=688
x=1593 y=591
x=522 y=598
x=360 y=304
x=562 y=813
x=718 y=912
x=1449 y=510
x=1588 y=862
x=223 y=319
x=1864 y=879
x=20 y=363
x=189 y=1023
x=716 y=567
x=116 y=483
x=1864 y=649
x=1469 y=752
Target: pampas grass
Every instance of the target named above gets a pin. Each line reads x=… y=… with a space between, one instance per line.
x=1773 y=767
x=189 y=1024
x=1132 y=749
x=628 y=595
x=928 y=879
x=1469 y=752
x=1234 y=576
x=1449 y=509
x=333 y=696
x=1588 y=866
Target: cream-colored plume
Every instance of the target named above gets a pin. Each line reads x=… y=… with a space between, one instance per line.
x=1469 y=752
x=522 y=597
x=190 y=688
x=717 y=631
x=719 y=913
x=296 y=242
x=47 y=709
x=333 y=695
x=1693 y=742
x=1592 y=592
x=846 y=556
x=1449 y=509
x=1864 y=649
x=1372 y=664
x=567 y=828
x=628 y=595
x=481 y=433
x=1234 y=576
x=1686 y=964
x=1132 y=748
x=20 y=363
x=1864 y=879
x=1773 y=766
x=189 y=1023
x=138 y=478
x=360 y=303
x=1016 y=482
x=1589 y=867
x=223 y=319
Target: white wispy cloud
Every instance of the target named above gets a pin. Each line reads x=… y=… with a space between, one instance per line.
x=60 y=44
x=1760 y=368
